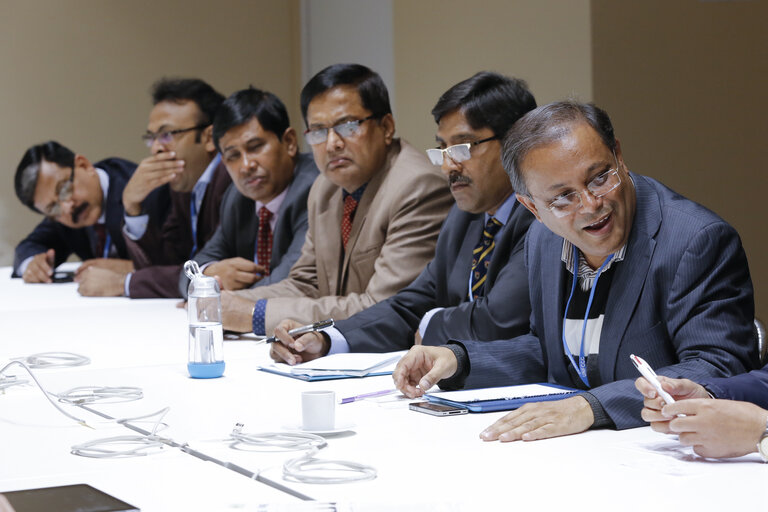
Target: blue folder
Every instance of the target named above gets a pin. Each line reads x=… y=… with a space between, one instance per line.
x=505 y=404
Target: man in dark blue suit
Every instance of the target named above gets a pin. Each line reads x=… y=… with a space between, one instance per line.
x=452 y=297
x=618 y=264
x=82 y=203
x=734 y=424
x=263 y=218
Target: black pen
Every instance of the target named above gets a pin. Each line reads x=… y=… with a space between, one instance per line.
x=304 y=329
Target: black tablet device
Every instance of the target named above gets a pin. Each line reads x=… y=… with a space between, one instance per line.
x=67 y=498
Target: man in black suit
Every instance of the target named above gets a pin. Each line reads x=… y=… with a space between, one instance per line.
x=264 y=216
x=82 y=203
x=476 y=285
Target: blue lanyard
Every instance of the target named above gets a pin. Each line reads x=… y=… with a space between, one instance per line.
x=107 y=243
x=193 y=216
x=581 y=369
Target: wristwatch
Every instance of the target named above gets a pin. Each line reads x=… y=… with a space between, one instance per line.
x=762 y=444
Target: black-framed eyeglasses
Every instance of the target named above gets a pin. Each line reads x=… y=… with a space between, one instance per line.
x=166 y=137
x=457 y=152
x=344 y=130
x=64 y=190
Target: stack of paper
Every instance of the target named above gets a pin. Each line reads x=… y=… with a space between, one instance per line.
x=339 y=366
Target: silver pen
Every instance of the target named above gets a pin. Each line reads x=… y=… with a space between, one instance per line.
x=304 y=329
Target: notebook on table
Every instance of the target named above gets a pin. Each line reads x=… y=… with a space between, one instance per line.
x=502 y=398
x=339 y=366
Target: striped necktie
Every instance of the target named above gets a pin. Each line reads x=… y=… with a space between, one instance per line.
x=481 y=257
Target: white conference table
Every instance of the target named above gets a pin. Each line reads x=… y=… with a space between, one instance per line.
x=423 y=462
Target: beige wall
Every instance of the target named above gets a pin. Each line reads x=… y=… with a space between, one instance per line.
x=440 y=42
x=79 y=71
x=685 y=84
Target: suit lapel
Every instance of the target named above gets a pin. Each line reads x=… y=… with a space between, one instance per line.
x=552 y=293
x=327 y=238
x=463 y=267
x=628 y=281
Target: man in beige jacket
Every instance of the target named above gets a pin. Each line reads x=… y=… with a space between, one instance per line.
x=374 y=213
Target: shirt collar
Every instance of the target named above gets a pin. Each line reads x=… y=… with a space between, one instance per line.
x=357 y=194
x=274 y=205
x=204 y=180
x=104 y=182
x=587 y=274
x=504 y=211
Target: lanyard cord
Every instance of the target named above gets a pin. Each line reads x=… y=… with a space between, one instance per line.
x=107 y=243
x=193 y=220
x=581 y=368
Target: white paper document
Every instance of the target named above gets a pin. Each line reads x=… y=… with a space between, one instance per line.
x=501 y=393
x=348 y=364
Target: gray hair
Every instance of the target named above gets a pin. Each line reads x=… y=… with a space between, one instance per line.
x=545 y=125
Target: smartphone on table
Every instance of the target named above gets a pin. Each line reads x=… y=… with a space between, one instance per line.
x=437 y=409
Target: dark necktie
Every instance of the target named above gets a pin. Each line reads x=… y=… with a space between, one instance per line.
x=100 y=230
x=481 y=257
x=264 y=239
x=350 y=205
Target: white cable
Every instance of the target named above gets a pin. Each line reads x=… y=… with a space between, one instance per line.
x=309 y=470
x=45 y=393
x=275 y=441
x=10 y=381
x=53 y=360
x=90 y=394
x=135 y=446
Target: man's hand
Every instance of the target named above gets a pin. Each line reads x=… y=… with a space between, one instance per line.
x=40 y=268
x=293 y=351
x=542 y=420
x=114 y=264
x=236 y=312
x=679 y=389
x=717 y=428
x=154 y=171
x=100 y=282
x=422 y=367
x=235 y=273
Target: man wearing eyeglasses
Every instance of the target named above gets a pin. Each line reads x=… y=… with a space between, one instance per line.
x=82 y=205
x=374 y=212
x=184 y=157
x=618 y=265
x=476 y=286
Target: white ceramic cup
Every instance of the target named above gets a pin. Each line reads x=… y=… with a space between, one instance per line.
x=318 y=410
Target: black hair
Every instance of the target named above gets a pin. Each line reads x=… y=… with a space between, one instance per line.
x=177 y=90
x=242 y=106
x=28 y=170
x=487 y=99
x=370 y=86
x=548 y=124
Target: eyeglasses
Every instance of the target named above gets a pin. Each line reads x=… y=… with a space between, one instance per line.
x=344 y=130
x=457 y=152
x=64 y=190
x=598 y=186
x=149 y=138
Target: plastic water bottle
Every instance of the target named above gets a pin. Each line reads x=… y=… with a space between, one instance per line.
x=206 y=338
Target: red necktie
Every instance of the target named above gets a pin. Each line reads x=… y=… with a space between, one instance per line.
x=350 y=204
x=264 y=239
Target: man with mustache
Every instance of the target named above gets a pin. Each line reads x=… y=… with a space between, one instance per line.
x=264 y=216
x=82 y=203
x=476 y=286
x=184 y=157
x=617 y=265
x=374 y=212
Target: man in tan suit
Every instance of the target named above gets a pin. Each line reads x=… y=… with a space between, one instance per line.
x=374 y=213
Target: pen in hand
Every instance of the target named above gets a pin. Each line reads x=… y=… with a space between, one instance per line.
x=304 y=329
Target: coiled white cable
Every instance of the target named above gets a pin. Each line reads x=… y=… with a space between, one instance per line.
x=53 y=360
x=103 y=394
x=132 y=446
x=10 y=381
x=309 y=470
x=274 y=441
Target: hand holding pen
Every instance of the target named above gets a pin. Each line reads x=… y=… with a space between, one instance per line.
x=295 y=343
